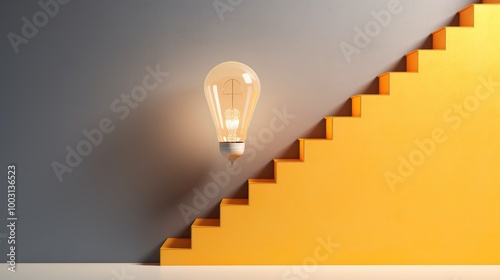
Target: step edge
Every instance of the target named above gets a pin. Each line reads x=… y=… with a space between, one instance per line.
x=261 y=181
x=231 y=201
x=197 y=221
x=164 y=246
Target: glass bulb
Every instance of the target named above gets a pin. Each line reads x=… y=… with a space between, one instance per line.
x=232 y=90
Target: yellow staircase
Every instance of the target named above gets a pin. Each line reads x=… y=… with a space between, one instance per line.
x=412 y=178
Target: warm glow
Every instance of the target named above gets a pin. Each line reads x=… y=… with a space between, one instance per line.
x=232 y=90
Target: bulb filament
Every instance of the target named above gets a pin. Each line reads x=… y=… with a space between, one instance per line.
x=232 y=122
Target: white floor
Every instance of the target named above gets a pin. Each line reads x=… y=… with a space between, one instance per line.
x=127 y=271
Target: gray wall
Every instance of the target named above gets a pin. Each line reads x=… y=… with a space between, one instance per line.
x=122 y=200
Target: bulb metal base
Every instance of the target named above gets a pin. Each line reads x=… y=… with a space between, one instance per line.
x=232 y=150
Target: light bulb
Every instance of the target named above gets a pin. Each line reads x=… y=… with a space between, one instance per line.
x=232 y=90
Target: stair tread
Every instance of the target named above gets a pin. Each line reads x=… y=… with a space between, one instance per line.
x=368 y=95
x=287 y=160
x=331 y=118
x=201 y=222
x=177 y=243
x=258 y=181
x=234 y=201
x=313 y=139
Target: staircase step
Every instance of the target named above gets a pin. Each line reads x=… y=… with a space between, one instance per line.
x=285 y=166
x=446 y=37
x=261 y=191
x=176 y=251
x=287 y=160
x=233 y=211
x=366 y=105
x=234 y=201
x=311 y=144
x=395 y=82
x=335 y=122
x=261 y=181
x=204 y=231
x=176 y=243
x=344 y=124
x=467 y=16
x=206 y=223
x=439 y=39
x=481 y=15
x=419 y=60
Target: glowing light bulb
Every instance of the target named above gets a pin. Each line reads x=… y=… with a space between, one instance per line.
x=232 y=90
